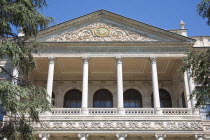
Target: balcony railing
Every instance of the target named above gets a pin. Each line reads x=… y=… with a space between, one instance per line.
x=176 y=111
x=113 y=111
x=66 y=111
x=139 y=111
x=102 y=111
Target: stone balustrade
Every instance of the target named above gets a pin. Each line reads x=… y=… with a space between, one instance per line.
x=66 y=111
x=176 y=111
x=113 y=111
x=139 y=111
x=102 y=111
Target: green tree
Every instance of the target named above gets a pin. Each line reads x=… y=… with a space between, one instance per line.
x=203 y=9
x=22 y=101
x=197 y=63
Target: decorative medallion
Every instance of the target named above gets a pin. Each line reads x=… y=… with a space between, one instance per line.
x=101 y=31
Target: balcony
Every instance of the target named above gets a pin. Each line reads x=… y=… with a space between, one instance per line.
x=113 y=111
x=135 y=119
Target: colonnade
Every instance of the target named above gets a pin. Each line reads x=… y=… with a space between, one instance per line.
x=119 y=62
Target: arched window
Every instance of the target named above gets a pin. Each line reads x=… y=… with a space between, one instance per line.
x=102 y=99
x=53 y=99
x=183 y=101
x=165 y=99
x=132 y=99
x=72 y=99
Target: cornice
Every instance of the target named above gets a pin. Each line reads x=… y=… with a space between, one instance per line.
x=103 y=14
x=121 y=44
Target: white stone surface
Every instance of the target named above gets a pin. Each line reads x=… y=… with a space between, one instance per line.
x=50 y=77
x=85 y=86
x=120 y=104
x=15 y=75
x=155 y=87
x=121 y=136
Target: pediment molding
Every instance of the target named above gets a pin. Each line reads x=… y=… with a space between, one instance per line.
x=87 y=33
x=122 y=30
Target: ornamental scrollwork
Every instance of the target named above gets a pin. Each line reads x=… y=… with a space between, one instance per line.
x=120 y=125
x=195 y=125
x=70 y=124
x=83 y=124
x=96 y=124
x=58 y=124
x=159 y=125
x=116 y=33
x=133 y=124
x=146 y=124
x=183 y=125
x=171 y=125
x=108 y=124
x=45 y=124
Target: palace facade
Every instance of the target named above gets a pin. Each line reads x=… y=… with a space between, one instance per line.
x=115 y=78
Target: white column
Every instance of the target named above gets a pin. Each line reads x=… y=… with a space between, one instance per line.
x=160 y=136
x=83 y=136
x=193 y=100
x=44 y=136
x=50 y=77
x=120 y=104
x=199 y=136
x=121 y=136
x=15 y=75
x=187 y=90
x=85 y=86
x=155 y=87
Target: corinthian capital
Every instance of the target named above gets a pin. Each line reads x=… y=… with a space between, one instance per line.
x=85 y=59
x=51 y=59
x=119 y=135
x=44 y=135
x=153 y=59
x=83 y=135
x=160 y=135
x=119 y=59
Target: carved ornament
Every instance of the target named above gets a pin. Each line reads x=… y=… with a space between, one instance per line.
x=119 y=125
x=101 y=32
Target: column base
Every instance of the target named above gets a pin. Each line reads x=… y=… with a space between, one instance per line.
x=84 y=111
x=196 y=111
x=158 y=111
x=121 y=111
x=199 y=136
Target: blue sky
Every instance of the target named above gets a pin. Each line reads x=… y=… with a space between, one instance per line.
x=165 y=14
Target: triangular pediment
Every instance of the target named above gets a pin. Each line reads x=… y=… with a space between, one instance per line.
x=100 y=31
x=106 y=26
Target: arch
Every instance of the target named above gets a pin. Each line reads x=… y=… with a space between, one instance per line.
x=165 y=99
x=102 y=98
x=183 y=100
x=132 y=99
x=73 y=99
